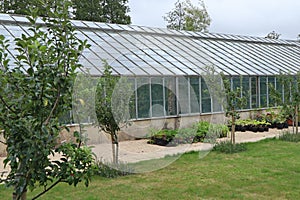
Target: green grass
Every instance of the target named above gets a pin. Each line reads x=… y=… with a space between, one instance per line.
x=269 y=169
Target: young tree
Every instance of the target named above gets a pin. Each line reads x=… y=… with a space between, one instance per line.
x=290 y=99
x=108 y=11
x=34 y=93
x=186 y=16
x=234 y=101
x=112 y=106
x=222 y=92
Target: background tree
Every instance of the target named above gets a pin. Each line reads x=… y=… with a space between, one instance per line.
x=87 y=10
x=33 y=95
x=22 y=7
x=186 y=16
x=112 y=106
x=108 y=11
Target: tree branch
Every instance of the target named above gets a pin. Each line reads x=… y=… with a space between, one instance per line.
x=53 y=108
x=46 y=190
x=6 y=105
x=3 y=142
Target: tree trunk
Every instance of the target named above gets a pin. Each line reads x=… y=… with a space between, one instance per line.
x=117 y=148
x=232 y=130
x=22 y=197
x=297 y=118
x=113 y=148
x=18 y=175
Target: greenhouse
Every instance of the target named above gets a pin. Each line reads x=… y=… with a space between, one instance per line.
x=167 y=68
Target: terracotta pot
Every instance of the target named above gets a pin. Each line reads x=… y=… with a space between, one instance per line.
x=290 y=122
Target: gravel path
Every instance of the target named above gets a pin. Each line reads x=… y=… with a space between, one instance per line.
x=139 y=150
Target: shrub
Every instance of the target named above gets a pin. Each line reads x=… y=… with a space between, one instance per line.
x=200 y=132
x=228 y=147
x=202 y=127
x=289 y=137
x=162 y=137
x=109 y=170
x=185 y=136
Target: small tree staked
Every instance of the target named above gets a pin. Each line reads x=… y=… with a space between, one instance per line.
x=34 y=93
x=112 y=106
x=234 y=102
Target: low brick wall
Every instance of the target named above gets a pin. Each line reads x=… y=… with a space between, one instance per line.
x=138 y=129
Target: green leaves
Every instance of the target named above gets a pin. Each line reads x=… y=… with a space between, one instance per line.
x=186 y=16
x=75 y=165
x=34 y=93
x=109 y=11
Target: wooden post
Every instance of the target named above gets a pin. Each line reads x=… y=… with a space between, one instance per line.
x=233 y=130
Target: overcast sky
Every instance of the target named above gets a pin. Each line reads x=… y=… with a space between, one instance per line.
x=240 y=17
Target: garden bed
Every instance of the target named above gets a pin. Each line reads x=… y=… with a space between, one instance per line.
x=200 y=132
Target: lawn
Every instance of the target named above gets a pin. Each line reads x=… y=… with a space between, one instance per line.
x=269 y=169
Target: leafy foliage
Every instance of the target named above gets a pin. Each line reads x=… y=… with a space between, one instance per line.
x=109 y=170
x=186 y=16
x=202 y=131
x=108 y=11
x=290 y=99
x=112 y=105
x=22 y=7
x=228 y=147
x=290 y=137
x=34 y=93
x=234 y=101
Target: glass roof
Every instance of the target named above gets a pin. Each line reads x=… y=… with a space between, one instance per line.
x=144 y=51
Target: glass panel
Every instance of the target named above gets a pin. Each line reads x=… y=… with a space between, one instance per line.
x=215 y=95
x=246 y=91
x=115 y=27
x=143 y=97
x=271 y=87
x=20 y=19
x=280 y=88
x=78 y=24
x=183 y=95
x=254 y=93
x=287 y=89
x=132 y=102
x=236 y=82
x=195 y=96
x=157 y=97
x=170 y=96
x=90 y=24
x=102 y=25
x=125 y=27
x=205 y=98
x=5 y=17
x=263 y=91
